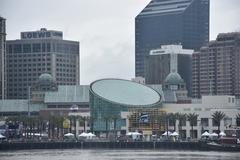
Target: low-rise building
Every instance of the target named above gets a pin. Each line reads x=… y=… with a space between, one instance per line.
x=205 y=108
x=110 y=105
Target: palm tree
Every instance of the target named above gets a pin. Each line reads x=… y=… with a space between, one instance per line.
x=91 y=121
x=217 y=117
x=161 y=120
x=87 y=122
x=115 y=118
x=181 y=119
x=192 y=118
x=238 y=119
x=106 y=119
x=153 y=119
x=74 y=119
x=164 y=117
x=172 y=119
x=59 y=125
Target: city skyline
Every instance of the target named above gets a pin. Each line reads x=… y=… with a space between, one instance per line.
x=170 y=22
x=105 y=35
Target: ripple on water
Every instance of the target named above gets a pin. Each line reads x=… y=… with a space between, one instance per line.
x=78 y=154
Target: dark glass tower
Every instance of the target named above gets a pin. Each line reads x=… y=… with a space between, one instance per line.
x=164 y=22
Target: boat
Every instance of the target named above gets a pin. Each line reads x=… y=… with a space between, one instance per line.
x=223 y=147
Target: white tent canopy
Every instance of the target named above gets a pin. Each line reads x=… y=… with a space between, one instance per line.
x=133 y=133
x=205 y=134
x=174 y=134
x=2 y=137
x=41 y=134
x=214 y=135
x=222 y=134
x=68 y=135
x=167 y=133
x=83 y=134
x=87 y=135
x=91 y=135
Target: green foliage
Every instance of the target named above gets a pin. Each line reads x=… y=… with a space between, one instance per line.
x=218 y=116
x=192 y=118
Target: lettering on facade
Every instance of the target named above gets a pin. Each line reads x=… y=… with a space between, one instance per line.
x=41 y=34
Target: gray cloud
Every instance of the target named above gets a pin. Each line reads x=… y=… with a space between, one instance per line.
x=105 y=28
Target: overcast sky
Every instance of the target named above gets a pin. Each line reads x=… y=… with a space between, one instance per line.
x=105 y=28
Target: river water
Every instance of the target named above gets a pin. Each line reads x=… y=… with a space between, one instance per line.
x=98 y=154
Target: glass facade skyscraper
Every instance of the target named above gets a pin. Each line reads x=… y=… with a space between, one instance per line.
x=164 y=22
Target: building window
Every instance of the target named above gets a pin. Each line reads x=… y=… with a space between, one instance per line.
x=204 y=122
x=227 y=121
x=36 y=47
x=43 y=47
x=17 y=48
x=10 y=49
x=48 y=47
x=26 y=48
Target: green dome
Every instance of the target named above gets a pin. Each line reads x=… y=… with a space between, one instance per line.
x=174 y=78
x=45 y=78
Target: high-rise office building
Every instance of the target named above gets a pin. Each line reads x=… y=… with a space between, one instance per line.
x=164 y=22
x=40 y=52
x=169 y=58
x=2 y=56
x=216 y=68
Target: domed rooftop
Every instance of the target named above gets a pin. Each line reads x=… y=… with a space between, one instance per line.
x=125 y=92
x=45 y=78
x=173 y=78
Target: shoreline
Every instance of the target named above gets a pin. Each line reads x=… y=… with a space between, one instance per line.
x=194 y=146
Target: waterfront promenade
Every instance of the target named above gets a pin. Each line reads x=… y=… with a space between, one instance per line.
x=113 y=145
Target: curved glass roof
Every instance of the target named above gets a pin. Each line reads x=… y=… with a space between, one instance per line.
x=125 y=92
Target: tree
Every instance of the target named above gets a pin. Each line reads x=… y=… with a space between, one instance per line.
x=87 y=120
x=192 y=118
x=164 y=117
x=172 y=119
x=161 y=118
x=115 y=118
x=153 y=119
x=182 y=119
x=59 y=125
x=51 y=126
x=106 y=119
x=91 y=121
x=238 y=119
x=73 y=122
x=217 y=117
